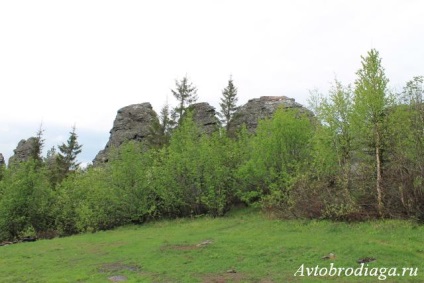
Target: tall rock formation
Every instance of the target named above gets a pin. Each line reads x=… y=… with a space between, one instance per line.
x=23 y=151
x=204 y=115
x=260 y=108
x=132 y=123
x=2 y=162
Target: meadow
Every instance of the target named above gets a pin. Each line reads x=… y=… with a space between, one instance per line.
x=244 y=246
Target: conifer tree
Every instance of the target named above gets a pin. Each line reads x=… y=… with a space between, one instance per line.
x=186 y=94
x=228 y=102
x=37 y=147
x=67 y=156
x=161 y=128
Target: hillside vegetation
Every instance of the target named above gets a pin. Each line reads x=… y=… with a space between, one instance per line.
x=360 y=157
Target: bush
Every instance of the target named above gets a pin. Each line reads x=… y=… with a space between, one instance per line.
x=279 y=153
x=26 y=201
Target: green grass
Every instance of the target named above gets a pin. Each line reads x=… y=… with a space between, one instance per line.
x=257 y=248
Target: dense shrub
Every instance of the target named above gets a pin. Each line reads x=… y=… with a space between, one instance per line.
x=279 y=154
x=26 y=201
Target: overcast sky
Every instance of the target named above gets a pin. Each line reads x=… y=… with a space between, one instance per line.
x=77 y=62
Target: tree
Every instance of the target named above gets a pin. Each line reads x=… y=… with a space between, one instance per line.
x=37 y=146
x=370 y=105
x=195 y=173
x=333 y=138
x=186 y=94
x=160 y=129
x=66 y=158
x=406 y=152
x=228 y=102
x=26 y=201
x=279 y=152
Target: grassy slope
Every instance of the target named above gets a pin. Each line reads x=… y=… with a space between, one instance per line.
x=259 y=249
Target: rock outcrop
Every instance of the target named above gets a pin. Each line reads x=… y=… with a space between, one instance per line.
x=23 y=151
x=132 y=123
x=260 y=108
x=2 y=162
x=204 y=115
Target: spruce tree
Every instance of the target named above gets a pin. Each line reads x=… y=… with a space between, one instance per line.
x=228 y=102
x=161 y=128
x=67 y=156
x=186 y=94
x=37 y=146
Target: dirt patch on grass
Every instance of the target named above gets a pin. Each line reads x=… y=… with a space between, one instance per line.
x=224 y=278
x=231 y=277
x=115 y=267
x=178 y=247
x=186 y=247
x=118 y=278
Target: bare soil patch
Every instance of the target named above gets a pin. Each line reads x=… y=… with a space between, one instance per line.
x=224 y=278
x=115 y=267
x=186 y=247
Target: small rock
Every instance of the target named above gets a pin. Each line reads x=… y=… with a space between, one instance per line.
x=231 y=271
x=365 y=260
x=204 y=243
x=329 y=256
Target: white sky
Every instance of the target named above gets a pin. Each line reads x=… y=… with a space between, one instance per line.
x=77 y=62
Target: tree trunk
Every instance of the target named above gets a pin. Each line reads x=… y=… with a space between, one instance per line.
x=379 y=185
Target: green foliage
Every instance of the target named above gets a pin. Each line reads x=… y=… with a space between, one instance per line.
x=130 y=177
x=87 y=202
x=116 y=194
x=37 y=147
x=333 y=146
x=26 y=201
x=194 y=175
x=68 y=153
x=369 y=120
x=160 y=130
x=278 y=154
x=177 y=170
x=2 y=169
x=65 y=161
x=406 y=151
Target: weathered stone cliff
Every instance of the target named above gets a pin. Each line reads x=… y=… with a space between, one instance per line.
x=260 y=108
x=2 y=162
x=204 y=115
x=132 y=123
x=23 y=151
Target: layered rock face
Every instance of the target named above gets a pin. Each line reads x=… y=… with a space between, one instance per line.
x=204 y=115
x=260 y=108
x=132 y=123
x=23 y=151
x=2 y=162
